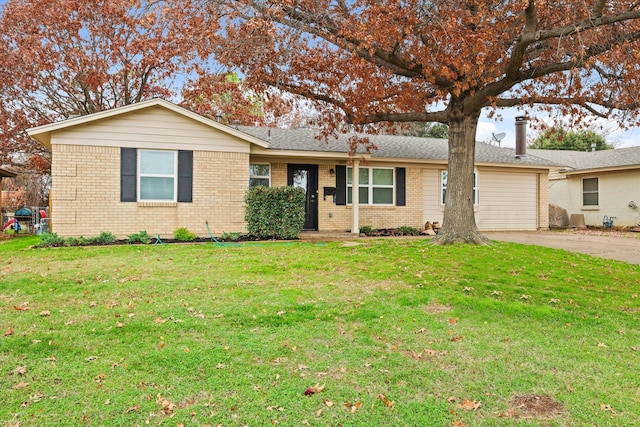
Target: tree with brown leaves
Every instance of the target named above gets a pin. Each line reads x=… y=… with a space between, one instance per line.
x=366 y=61
x=66 y=58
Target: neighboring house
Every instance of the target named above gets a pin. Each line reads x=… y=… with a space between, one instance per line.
x=155 y=166
x=4 y=174
x=596 y=184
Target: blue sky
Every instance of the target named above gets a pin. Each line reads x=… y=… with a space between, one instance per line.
x=506 y=124
x=609 y=129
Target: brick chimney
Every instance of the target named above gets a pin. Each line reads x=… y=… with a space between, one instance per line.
x=521 y=136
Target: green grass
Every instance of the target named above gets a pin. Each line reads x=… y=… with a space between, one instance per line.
x=234 y=335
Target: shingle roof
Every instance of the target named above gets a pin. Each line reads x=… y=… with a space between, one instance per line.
x=389 y=146
x=583 y=160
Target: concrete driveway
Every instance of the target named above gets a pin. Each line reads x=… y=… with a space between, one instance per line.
x=616 y=245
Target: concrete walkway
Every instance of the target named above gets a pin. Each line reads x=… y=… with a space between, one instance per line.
x=623 y=248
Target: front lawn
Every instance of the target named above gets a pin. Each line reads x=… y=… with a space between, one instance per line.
x=364 y=333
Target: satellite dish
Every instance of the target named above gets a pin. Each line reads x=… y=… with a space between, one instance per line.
x=497 y=137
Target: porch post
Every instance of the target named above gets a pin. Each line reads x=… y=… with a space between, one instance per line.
x=355 y=197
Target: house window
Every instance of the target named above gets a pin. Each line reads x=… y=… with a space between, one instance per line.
x=259 y=174
x=375 y=186
x=157 y=180
x=590 y=192
x=443 y=186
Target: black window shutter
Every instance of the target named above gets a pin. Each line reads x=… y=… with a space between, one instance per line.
x=185 y=176
x=341 y=185
x=128 y=164
x=401 y=188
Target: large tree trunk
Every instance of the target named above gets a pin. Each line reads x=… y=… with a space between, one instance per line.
x=459 y=223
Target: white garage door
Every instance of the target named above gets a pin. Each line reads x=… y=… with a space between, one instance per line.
x=508 y=201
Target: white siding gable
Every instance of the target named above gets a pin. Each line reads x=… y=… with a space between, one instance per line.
x=156 y=128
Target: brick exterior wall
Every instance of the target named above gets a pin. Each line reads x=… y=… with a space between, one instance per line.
x=86 y=195
x=332 y=217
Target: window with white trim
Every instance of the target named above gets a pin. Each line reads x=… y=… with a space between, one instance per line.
x=443 y=188
x=590 y=192
x=375 y=186
x=157 y=175
x=259 y=174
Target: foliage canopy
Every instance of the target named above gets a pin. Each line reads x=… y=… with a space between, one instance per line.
x=366 y=61
x=558 y=138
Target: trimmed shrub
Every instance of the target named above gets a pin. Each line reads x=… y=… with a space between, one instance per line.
x=275 y=212
x=104 y=238
x=50 y=240
x=72 y=241
x=367 y=229
x=141 y=237
x=184 y=235
x=232 y=237
x=408 y=230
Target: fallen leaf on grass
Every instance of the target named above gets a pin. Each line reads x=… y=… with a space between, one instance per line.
x=45 y=313
x=20 y=385
x=132 y=409
x=314 y=389
x=20 y=308
x=167 y=406
x=469 y=405
x=386 y=401
x=353 y=407
x=415 y=355
x=511 y=413
x=91 y=358
x=9 y=332
x=20 y=370
x=458 y=423
x=327 y=402
x=119 y=325
x=608 y=408
x=456 y=339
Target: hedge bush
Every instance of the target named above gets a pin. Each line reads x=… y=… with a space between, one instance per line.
x=182 y=234
x=275 y=212
x=137 y=238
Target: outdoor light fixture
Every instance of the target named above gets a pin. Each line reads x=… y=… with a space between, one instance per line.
x=332 y=172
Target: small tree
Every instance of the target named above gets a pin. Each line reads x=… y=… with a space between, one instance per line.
x=558 y=138
x=421 y=129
